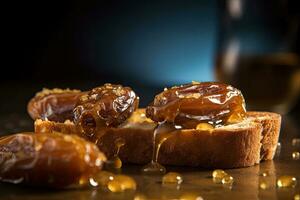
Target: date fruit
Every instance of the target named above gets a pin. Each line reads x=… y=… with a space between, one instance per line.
x=48 y=159
x=191 y=104
x=105 y=106
x=54 y=105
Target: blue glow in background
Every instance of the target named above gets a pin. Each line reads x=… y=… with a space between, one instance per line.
x=156 y=44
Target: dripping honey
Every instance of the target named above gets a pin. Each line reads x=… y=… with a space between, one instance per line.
x=161 y=133
x=115 y=162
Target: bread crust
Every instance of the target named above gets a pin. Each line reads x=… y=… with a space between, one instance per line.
x=271 y=123
x=238 y=145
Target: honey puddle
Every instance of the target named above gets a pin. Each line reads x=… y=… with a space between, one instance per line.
x=161 y=133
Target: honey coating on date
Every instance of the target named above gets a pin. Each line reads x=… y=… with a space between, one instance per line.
x=200 y=106
x=48 y=159
x=54 y=105
x=191 y=104
x=108 y=105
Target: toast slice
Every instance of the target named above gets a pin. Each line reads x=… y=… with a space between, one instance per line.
x=237 y=145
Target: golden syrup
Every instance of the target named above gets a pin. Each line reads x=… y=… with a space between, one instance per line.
x=296 y=155
x=190 y=196
x=286 y=181
x=161 y=133
x=227 y=180
x=101 y=179
x=120 y=142
x=297 y=197
x=218 y=175
x=172 y=178
x=263 y=185
x=234 y=118
x=264 y=174
x=115 y=162
x=204 y=127
x=120 y=183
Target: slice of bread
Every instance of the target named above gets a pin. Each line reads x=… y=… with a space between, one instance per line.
x=238 y=145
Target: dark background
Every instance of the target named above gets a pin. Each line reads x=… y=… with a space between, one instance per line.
x=81 y=44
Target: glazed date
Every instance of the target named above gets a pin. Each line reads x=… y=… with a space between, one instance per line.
x=54 y=105
x=108 y=105
x=191 y=104
x=49 y=159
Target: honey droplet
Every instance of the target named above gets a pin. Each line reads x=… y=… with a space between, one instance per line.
x=119 y=143
x=278 y=149
x=286 y=181
x=296 y=155
x=296 y=142
x=263 y=185
x=204 y=127
x=190 y=196
x=115 y=162
x=265 y=174
x=120 y=183
x=297 y=197
x=115 y=186
x=154 y=168
x=218 y=175
x=227 y=180
x=101 y=179
x=234 y=118
x=172 y=178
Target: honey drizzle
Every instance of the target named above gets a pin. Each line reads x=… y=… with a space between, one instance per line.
x=161 y=133
x=119 y=143
x=115 y=162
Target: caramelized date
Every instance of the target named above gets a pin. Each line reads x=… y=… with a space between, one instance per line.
x=54 y=105
x=51 y=160
x=108 y=105
x=191 y=104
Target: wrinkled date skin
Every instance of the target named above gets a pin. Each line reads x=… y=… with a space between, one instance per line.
x=54 y=105
x=50 y=160
x=105 y=106
x=194 y=103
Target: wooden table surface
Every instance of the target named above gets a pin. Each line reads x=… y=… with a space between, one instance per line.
x=196 y=181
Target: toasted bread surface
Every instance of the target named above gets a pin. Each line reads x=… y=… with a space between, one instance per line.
x=238 y=145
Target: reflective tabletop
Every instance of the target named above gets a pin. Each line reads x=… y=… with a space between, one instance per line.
x=196 y=182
